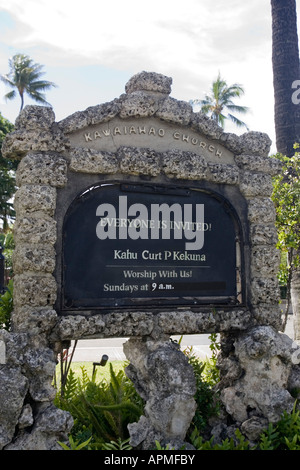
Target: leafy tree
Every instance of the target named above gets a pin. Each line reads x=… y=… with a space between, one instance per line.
x=286 y=72
x=286 y=197
x=7 y=177
x=219 y=103
x=7 y=190
x=6 y=307
x=5 y=128
x=25 y=77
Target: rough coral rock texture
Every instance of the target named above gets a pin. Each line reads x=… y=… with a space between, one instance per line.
x=178 y=147
x=165 y=380
x=146 y=81
x=255 y=375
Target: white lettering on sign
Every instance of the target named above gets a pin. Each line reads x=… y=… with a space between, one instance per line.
x=159 y=221
x=158 y=132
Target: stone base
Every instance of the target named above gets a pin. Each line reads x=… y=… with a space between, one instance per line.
x=165 y=380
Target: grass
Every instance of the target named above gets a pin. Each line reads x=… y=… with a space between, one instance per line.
x=102 y=373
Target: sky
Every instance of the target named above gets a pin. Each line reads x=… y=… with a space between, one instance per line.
x=91 y=48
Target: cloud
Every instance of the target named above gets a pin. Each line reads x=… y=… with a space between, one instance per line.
x=126 y=34
x=190 y=41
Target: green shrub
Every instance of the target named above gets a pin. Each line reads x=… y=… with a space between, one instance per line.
x=74 y=445
x=102 y=410
x=206 y=375
x=8 y=245
x=239 y=443
x=284 y=435
x=6 y=307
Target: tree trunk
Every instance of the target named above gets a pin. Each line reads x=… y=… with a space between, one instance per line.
x=286 y=69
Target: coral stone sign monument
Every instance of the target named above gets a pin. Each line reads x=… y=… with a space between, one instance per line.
x=142 y=219
x=127 y=245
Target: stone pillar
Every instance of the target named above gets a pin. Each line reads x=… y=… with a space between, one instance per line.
x=28 y=358
x=256 y=366
x=144 y=136
x=257 y=377
x=165 y=380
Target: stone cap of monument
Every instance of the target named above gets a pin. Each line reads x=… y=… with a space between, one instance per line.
x=35 y=117
x=147 y=95
x=149 y=81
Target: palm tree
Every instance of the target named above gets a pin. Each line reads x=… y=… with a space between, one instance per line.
x=24 y=77
x=220 y=101
x=285 y=62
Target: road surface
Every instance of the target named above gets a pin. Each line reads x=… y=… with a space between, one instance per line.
x=91 y=350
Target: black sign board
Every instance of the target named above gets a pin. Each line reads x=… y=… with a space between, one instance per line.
x=141 y=245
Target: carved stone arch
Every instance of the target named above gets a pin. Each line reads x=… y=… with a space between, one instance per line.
x=144 y=137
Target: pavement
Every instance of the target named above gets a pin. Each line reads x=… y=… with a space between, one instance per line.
x=91 y=350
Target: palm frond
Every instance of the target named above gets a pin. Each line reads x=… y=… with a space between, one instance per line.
x=10 y=95
x=220 y=100
x=25 y=76
x=238 y=109
x=237 y=121
x=41 y=85
x=221 y=119
x=5 y=79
